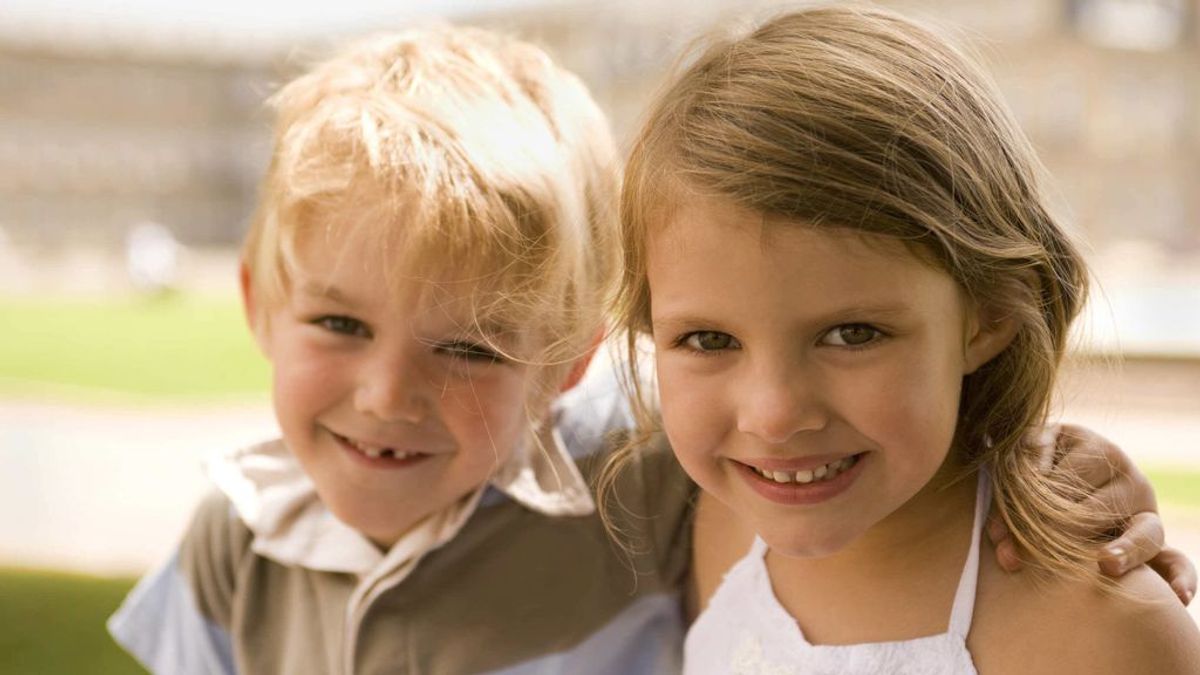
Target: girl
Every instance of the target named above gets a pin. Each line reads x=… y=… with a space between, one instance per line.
x=836 y=238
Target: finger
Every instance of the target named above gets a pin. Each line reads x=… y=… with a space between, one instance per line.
x=1123 y=498
x=1006 y=556
x=1045 y=440
x=1139 y=543
x=1006 y=549
x=997 y=530
x=1089 y=456
x=1175 y=568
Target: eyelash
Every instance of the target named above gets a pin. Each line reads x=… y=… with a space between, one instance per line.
x=457 y=349
x=876 y=336
x=469 y=351
x=343 y=325
x=683 y=340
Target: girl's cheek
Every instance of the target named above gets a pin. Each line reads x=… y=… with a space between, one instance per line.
x=691 y=419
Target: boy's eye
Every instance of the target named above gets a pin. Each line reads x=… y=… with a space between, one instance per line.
x=343 y=325
x=471 y=351
x=851 y=335
x=709 y=341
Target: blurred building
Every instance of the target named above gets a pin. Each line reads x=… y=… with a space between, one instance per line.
x=97 y=135
x=1108 y=90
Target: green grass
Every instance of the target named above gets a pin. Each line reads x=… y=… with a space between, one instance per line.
x=1179 y=488
x=53 y=623
x=174 y=346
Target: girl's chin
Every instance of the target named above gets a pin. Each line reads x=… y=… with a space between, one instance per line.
x=808 y=543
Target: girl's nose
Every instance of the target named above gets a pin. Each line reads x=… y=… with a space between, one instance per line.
x=775 y=408
x=393 y=390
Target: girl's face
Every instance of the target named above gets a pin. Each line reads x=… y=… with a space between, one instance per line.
x=394 y=404
x=809 y=377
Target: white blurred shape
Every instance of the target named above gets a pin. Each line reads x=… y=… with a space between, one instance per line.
x=152 y=257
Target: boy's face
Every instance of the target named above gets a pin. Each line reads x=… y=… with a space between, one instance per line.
x=394 y=406
x=831 y=362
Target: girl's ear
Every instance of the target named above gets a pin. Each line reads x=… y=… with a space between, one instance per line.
x=253 y=313
x=989 y=332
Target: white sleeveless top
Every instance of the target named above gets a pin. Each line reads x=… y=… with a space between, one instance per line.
x=745 y=631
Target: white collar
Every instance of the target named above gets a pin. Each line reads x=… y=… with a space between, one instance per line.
x=278 y=503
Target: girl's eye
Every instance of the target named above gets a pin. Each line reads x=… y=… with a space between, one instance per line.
x=470 y=351
x=851 y=335
x=709 y=341
x=343 y=325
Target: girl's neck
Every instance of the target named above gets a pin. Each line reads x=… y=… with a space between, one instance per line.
x=895 y=582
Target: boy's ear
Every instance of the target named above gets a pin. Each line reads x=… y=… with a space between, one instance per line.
x=581 y=364
x=253 y=313
x=989 y=332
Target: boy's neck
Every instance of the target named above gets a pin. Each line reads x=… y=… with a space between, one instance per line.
x=895 y=582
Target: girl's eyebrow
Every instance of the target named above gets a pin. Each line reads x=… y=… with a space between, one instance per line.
x=886 y=309
x=897 y=307
x=683 y=321
x=865 y=312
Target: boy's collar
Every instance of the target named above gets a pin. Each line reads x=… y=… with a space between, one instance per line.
x=279 y=504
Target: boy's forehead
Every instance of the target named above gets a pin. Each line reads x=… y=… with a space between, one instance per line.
x=364 y=278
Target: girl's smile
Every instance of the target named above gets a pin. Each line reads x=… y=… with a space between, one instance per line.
x=786 y=484
x=809 y=377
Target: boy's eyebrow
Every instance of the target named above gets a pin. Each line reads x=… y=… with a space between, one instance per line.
x=491 y=328
x=326 y=291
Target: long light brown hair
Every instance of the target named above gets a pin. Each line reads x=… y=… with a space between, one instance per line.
x=859 y=119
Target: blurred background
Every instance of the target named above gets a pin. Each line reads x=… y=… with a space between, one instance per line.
x=132 y=135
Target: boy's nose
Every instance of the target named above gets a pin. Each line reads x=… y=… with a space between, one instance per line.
x=777 y=407
x=392 y=393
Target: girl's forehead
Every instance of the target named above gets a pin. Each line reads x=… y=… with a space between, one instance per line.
x=725 y=219
x=715 y=255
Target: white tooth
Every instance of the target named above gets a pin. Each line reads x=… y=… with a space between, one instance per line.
x=401 y=455
x=373 y=453
x=805 y=476
x=765 y=474
x=781 y=477
x=820 y=472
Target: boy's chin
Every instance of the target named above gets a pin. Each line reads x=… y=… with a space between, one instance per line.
x=384 y=536
x=383 y=529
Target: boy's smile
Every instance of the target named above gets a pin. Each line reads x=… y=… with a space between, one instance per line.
x=809 y=377
x=395 y=406
x=381 y=455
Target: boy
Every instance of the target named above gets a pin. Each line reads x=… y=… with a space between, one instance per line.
x=426 y=273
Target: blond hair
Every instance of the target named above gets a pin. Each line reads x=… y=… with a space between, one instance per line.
x=468 y=156
x=859 y=119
